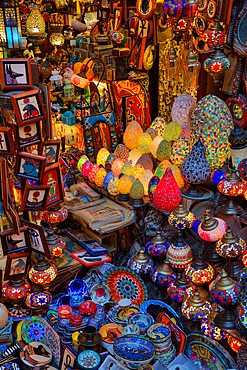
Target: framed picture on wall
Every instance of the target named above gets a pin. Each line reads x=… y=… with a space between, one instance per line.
x=35 y=197
x=47 y=100
x=27 y=135
x=6 y=141
x=51 y=150
x=15 y=74
x=118 y=14
x=13 y=243
x=38 y=240
x=53 y=177
x=30 y=166
x=17 y=265
x=3 y=183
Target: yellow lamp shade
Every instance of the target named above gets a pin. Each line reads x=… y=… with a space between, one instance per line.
x=81 y=162
x=163 y=151
x=137 y=190
x=144 y=143
x=177 y=175
x=113 y=186
x=150 y=131
x=127 y=169
x=145 y=178
x=180 y=151
x=146 y=161
x=155 y=144
x=132 y=135
x=134 y=155
x=159 y=125
x=99 y=177
x=124 y=184
x=138 y=170
x=161 y=169
x=79 y=81
x=122 y=152
x=102 y=157
x=117 y=166
x=78 y=67
x=172 y=131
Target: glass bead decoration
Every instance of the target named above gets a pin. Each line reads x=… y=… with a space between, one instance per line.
x=102 y=157
x=211 y=122
x=229 y=296
x=86 y=168
x=182 y=109
x=107 y=179
x=163 y=275
x=155 y=144
x=199 y=276
x=126 y=169
x=108 y=163
x=145 y=179
x=214 y=233
x=137 y=190
x=99 y=177
x=172 y=131
x=230 y=246
x=137 y=171
x=180 y=255
x=81 y=161
x=122 y=152
x=124 y=184
x=158 y=125
x=180 y=289
x=153 y=183
x=161 y=169
x=92 y=173
x=180 y=218
x=113 y=186
x=167 y=194
x=117 y=166
x=134 y=155
x=144 y=143
x=210 y=330
x=163 y=151
x=132 y=134
x=195 y=169
x=57 y=39
x=180 y=151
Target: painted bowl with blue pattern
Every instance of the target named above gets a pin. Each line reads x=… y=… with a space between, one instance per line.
x=133 y=347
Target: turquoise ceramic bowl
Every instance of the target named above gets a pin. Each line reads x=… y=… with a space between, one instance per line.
x=133 y=347
x=88 y=360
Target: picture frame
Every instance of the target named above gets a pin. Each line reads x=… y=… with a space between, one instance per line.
x=17 y=265
x=51 y=150
x=38 y=241
x=118 y=14
x=202 y=5
x=3 y=183
x=15 y=74
x=68 y=359
x=83 y=257
x=13 y=219
x=6 y=141
x=200 y=24
x=131 y=11
x=27 y=135
x=28 y=107
x=13 y=243
x=53 y=177
x=211 y=9
x=34 y=198
x=145 y=9
x=30 y=166
x=47 y=100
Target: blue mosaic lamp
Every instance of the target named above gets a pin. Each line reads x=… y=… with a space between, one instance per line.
x=158 y=246
x=180 y=218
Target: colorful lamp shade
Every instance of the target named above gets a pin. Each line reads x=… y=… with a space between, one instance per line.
x=217 y=176
x=153 y=183
x=180 y=151
x=145 y=179
x=86 y=168
x=167 y=194
x=144 y=143
x=92 y=173
x=117 y=166
x=244 y=258
x=212 y=228
x=137 y=171
x=99 y=177
x=55 y=245
x=180 y=289
x=81 y=161
x=238 y=144
x=179 y=255
x=208 y=327
x=172 y=131
x=146 y=162
x=177 y=175
x=132 y=134
x=122 y=152
x=102 y=156
x=141 y=263
x=110 y=159
x=199 y=271
x=158 y=125
x=124 y=186
x=234 y=343
x=36 y=300
x=155 y=144
x=55 y=215
x=196 y=308
x=126 y=169
x=150 y=131
x=117 y=37
x=42 y=272
x=230 y=245
x=107 y=179
x=158 y=246
x=174 y=8
x=113 y=186
x=16 y=290
x=242 y=169
x=136 y=193
x=217 y=64
x=163 y=151
x=57 y=39
x=214 y=35
x=163 y=275
x=180 y=218
x=161 y=169
x=211 y=122
x=134 y=155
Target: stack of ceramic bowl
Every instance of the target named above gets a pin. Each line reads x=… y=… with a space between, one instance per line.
x=142 y=320
x=109 y=333
x=160 y=335
x=36 y=354
x=133 y=351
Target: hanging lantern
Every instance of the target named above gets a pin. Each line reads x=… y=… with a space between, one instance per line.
x=10 y=28
x=238 y=144
x=171 y=65
x=215 y=34
x=191 y=70
x=174 y=8
x=190 y=8
x=217 y=64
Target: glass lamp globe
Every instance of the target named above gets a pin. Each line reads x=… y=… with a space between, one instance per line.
x=180 y=218
x=146 y=162
x=167 y=194
x=108 y=163
x=163 y=151
x=191 y=70
x=150 y=131
x=86 y=168
x=113 y=186
x=155 y=144
x=92 y=173
x=177 y=175
x=172 y=131
x=161 y=169
x=217 y=64
x=144 y=143
x=171 y=65
x=140 y=263
x=15 y=291
x=234 y=343
x=102 y=157
x=126 y=169
x=107 y=179
x=242 y=170
x=137 y=171
x=55 y=245
x=181 y=149
x=122 y=152
x=145 y=179
x=182 y=109
x=132 y=134
x=212 y=228
x=81 y=161
x=162 y=276
x=158 y=246
x=136 y=194
x=179 y=254
x=57 y=39
x=158 y=125
x=99 y=177
x=238 y=144
x=180 y=289
x=124 y=185
x=117 y=166
x=153 y=183
x=134 y=155
x=42 y=272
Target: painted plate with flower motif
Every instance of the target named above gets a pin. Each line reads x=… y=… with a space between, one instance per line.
x=100 y=293
x=33 y=330
x=125 y=283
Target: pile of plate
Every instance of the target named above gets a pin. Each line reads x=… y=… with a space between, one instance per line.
x=36 y=354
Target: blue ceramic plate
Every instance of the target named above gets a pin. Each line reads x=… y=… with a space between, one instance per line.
x=88 y=360
x=63 y=300
x=133 y=347
x=170 y=310
x=77 y=287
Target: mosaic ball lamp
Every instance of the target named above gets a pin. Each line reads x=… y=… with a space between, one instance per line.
x=99 y=177
x=53 y=216
x=122 y=152
x=126 y=169
x=158 y=125
x=208 y=327
x=113 y=186
x=242 y=170
x=217 y=64
x=16 y=291
x=174 y=8
x=238 y=144
x=146 y=162
x=134 y=155
x=102 y=156
x=163 y=151
x=215 y=34
x=234 y=343
x=212 y=228
x=110 y=159
x=117 y=37
x=172 y=131
x=152 y=132
x=117 y=166
x=132 y=134
x=124 y=185
x=158 y=246
x=179 y=255
x=177 y=175
x=155 y=144
x=180 y=218
x=195 y=308
x=167 y=194
x=81 y=161
x=161 y=169
x=195 y=170
x=86 y=168
x=153 y=183
x=163 y=275
x=182 y=109
x=107 y=179
x=137 y=171
x=180 y=151
x=231 y=246
x=180 y=289
x=55 y=245
x=145 y=179
x=218 y=176
x=42 y=272
x=211 y=122
x=38 y=301
x=225 y=292
x=92 y=173
x=144 y=143
x=141 y=263
x=244 y=258
x=57 y=39
x=136 y=194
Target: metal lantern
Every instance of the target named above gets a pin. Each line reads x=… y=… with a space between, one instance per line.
x=10 y=24
x=238 y=144
x=217 y=64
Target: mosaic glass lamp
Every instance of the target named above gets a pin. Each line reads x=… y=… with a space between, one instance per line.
x=152 y=132
x=99 y=177
x=107 y=179
x=217 y=64
x=55 y=216
x=146 y=162
x=182 y=108
x=180 y=289
x=102 y=156
x=55 y=245
x=109 y=161
x=158 y=246
x=180 y=218
x=144 y=143
x=141 y=263
x=81 y=161
x=126 y=169
x=162 y=276
x=155 y=144
x=92 y=173
x=137 y=171
x=225 y=292
x=86 y=168
x=172 y=131
x=134 y=155
x=231 y=246
x=145 y=179
x=195 y=170
x=16 y=291
x=180 y=151
x=195 y=308
x=158 y=125
x=124 y=185
x=42 y=273
x=174 y=8
x=179 y=255
x=113 y=186
x=163 y=151
x=38 y=301
x=136 y=194
x=122 y=152
x=242 y=170
x=215 y=34
x=132 y=134
x=238 y=144
x=208 y=327
x=117 y=166
x=153 y=183
x=161 y=169
x=57 y=39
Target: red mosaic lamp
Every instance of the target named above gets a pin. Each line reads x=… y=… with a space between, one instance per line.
x=16 y=291
x=42 y=273
x=179 y=255
x=180 y=289
x=215 y=34
x=55 y=216
x=55 y=245
x=217 y=64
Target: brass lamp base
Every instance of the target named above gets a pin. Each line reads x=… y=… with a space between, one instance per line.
x=209 y=254
x=136 y=203
x=160 y=294
x=226 y=320
x=233 y=268
x=193 y=191
x=193 y=327
x=123 y=197
x=230 y=207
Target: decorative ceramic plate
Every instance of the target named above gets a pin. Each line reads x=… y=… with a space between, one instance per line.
x=110 y=332
x=168 y=310
x=100 y=293
x=242 y=313
x=33 y=330
x=208 y=354
x=114 y=315
x=124 y=283
x=38 y=353
x=77 y=287
x=88 y=359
